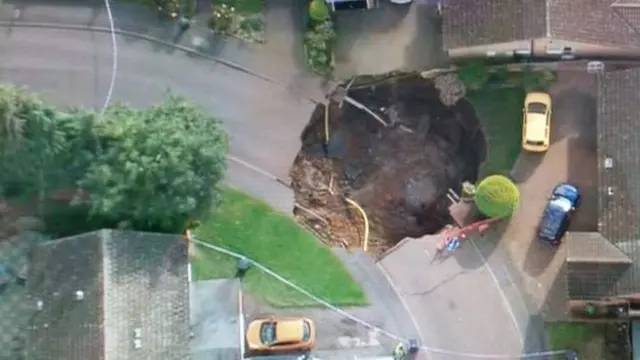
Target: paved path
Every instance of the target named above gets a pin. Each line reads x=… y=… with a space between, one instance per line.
x=390 y=38
x=572 y=157
x=474 y=303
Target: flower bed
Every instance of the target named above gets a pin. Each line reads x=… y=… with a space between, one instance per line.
x=242 y=19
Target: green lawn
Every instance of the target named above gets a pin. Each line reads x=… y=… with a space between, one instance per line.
x=250 y=227
x=500 y=112
x=244 y=6
x=585 y=338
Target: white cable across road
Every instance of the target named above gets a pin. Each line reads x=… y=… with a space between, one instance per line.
x=114 y=63
x=367 y=324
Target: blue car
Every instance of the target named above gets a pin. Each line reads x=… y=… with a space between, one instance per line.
x=564 y=200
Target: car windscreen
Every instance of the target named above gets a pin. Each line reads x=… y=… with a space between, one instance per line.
x=535 y=143
x=268 y=333
x=537 y=108
x=306 y=331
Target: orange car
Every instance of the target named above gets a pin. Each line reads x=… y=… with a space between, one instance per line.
x=281 y=335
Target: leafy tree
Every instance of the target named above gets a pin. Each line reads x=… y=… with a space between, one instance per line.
x=152 y=169
x=497 y=196
x=156 y=168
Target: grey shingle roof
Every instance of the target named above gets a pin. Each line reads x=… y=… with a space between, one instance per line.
x=129 y=281
x=618 y=193
x=600 y=22
x=469 y=23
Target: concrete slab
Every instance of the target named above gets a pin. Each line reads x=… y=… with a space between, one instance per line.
x=457 y=301
x=391 y=37
x=215 y=315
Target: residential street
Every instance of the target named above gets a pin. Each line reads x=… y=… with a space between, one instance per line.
x=264 y=121
x=74 y=67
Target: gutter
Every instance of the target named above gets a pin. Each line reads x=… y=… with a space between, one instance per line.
x=541 y=51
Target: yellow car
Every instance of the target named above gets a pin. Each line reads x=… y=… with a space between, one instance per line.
x=536 y=122
x=281 y=335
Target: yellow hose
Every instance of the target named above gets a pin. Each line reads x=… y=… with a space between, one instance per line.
x=326 y=123
x=366 y=223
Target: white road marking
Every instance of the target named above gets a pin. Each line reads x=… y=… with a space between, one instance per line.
x=241 y=322
x=406 y=307
x=507 y=305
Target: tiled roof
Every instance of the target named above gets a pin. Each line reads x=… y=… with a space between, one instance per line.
x=129 y=281
x=470 y=23
x=592 y=247
x=599 y=22
x=618 y=189
x=602 y=22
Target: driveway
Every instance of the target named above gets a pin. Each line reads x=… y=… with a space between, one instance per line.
x=572 y=158
x=392 y=37
x=215 y=319
x=462 y=295
x=74 y=67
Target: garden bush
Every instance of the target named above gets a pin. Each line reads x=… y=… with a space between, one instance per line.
x=497 y=196
x=319 y=38
x=318 y=43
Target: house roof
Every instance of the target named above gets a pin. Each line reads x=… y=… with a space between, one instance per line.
x=618 y=193
x=128 y=280
x=470 y=23
x=600 y=22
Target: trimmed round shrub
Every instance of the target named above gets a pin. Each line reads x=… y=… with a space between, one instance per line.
x=497 y=196
x=318 y=11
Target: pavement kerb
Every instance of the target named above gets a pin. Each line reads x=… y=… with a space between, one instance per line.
x=153 y=39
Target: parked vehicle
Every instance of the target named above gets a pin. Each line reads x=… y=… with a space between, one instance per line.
x=336 y=5
x=536 y=122
x=564 y=200
x=400 y=1
x=281 y=335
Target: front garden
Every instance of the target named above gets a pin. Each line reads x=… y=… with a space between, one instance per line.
x=250 y=227
x=498 y=94
x=590 y=341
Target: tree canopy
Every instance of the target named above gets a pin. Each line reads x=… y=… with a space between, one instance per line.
x=497 y=197
x=151 y=169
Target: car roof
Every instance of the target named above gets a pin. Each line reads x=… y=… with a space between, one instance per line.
x=536 y=127
x=553 y=216
x=289 y=330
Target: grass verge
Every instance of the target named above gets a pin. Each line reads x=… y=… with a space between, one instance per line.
x=585 y=338
x=250 y=227
x=500 y=112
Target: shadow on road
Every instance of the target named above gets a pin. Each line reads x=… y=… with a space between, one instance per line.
x=538 y=258
x=525 y=166
x=468 y=259
x=554 y=306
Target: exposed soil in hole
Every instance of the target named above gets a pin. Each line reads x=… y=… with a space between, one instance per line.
x=399 y=174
